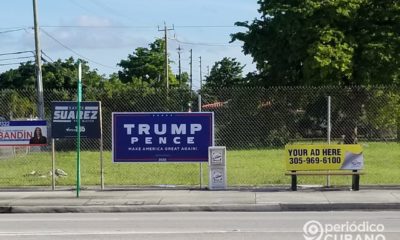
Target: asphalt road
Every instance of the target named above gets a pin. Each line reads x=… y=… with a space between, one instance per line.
x=199 y=225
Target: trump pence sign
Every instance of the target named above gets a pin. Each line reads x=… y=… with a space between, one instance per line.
x=162 y=137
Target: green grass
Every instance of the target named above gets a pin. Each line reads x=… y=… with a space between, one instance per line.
x=245 y=167
x=260 y=167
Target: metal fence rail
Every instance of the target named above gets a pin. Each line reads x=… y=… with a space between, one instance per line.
x=254 y=124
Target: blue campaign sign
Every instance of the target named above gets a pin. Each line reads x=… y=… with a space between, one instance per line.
x=162 y=137
x=64 y=119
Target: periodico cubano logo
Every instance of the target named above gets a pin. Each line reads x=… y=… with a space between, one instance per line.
x=314 y=230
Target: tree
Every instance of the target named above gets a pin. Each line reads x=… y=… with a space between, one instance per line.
x=183 y=82
x=57 y=75
x=225 y=73
x=22 y=77
x=146 y=65
x=64 y=74
x=332 y=42
x=376 y=57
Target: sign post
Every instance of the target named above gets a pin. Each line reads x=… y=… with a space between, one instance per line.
x=101 y=148
x=53 y=164
x=201 y=164
x=329 y=128
x=78 y=132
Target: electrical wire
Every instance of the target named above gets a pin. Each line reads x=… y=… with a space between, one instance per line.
x=6 y=64
x=204 y=44
x=13 y=53
x=82 y=7
x=98 y=27
x=43 y=53
x=76 y=53
x=206 y=26
x=7 y=59
x=13 y=30
x=132 y=26
x=107 y=9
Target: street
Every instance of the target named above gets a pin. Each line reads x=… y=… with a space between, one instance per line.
x=188 y=225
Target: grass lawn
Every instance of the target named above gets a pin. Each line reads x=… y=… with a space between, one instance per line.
x=245 y=167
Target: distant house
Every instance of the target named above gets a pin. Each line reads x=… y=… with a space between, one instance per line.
x=216 y=105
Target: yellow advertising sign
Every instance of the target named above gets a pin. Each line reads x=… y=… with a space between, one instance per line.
x=324 y=157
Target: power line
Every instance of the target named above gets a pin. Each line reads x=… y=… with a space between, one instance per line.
x=13 y=53
x=111 y=10
x=7 y=59
x=207 y=26
x=82 y=7
x=73 y=51
x=47 y=56
x=98 y=27
x=118 y=26
x=13 y=30
x=130 y=26
x=103 y=7
x=6 y=64
x=205 y=44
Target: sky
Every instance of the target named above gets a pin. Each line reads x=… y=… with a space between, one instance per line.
x=104 y=32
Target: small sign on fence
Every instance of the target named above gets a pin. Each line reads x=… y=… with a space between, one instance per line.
x=23 y=133
x=162 y=137
x=324 y=157
x=217 y=168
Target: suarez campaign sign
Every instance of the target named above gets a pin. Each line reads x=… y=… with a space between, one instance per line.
x=64 y=119
x=162 y=137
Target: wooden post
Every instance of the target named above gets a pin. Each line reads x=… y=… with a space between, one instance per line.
x=294 y=181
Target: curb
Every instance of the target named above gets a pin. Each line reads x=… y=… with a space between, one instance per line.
x=206 y=208
x=341 y=207
x=149 y=208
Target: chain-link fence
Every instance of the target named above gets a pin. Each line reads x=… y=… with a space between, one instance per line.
x=253 y=123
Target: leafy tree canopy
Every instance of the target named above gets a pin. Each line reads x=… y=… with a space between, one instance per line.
x=146 y=65
x=225 y=73
x=56 y=75
x=331 y=42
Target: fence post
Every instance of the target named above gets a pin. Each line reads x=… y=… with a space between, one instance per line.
x=329 y=127
x=101 y=149
x=201 y=164
x=53 y=164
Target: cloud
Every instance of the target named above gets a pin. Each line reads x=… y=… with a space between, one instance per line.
x=90 y=32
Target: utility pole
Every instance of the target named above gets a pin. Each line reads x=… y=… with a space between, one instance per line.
x=191 y=72
x=191 y=80
x=166 y=53
x=38 y=61
x=208 y=70
x=180 y=69
x=201 y=76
